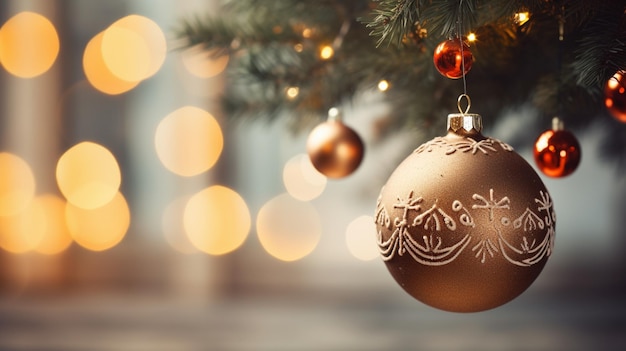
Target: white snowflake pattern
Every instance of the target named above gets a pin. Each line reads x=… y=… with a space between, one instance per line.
x=467 y=144
x=491 y=204
x=473 y=146
x=415 y=230
x=484 y=248
x=432 y=216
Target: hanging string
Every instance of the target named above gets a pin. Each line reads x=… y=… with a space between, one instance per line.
x=560 y=62
x=459 y=33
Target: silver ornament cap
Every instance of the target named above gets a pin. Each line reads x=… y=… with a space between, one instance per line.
x=461 y=123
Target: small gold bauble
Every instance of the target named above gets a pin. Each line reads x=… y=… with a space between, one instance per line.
x=335 y=149
x=464 y=223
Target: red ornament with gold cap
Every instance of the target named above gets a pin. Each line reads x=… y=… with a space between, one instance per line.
x=557 y=152
x=464 y=223
x=453 y=58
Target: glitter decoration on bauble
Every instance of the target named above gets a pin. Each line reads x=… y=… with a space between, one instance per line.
x=557 y=152
x=464 y=223
x=335 y=149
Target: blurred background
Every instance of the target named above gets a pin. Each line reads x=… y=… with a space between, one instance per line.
x=108 y=220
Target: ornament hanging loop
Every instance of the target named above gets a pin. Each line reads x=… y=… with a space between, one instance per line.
x=459 y=103
x=464 y=123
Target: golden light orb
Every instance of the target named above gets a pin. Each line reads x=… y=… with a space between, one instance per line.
x=88 y=175
x=17 y=184
x=288 y=229
x=217 y=220
x=29 y=44
x=101 y=228
x=189 y=141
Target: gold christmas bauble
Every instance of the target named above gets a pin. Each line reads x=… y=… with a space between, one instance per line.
x=335 y=149
x=464 y=223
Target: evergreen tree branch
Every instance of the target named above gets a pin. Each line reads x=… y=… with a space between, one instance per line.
x=393 y=20
x=274 y=46
x=601 y=50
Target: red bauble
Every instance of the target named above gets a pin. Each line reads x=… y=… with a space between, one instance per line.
x=557 y=151
x=335 y=149
x=447 y=58
x=615 y=96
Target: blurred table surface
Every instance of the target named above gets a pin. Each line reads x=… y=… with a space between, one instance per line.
x=94 y=322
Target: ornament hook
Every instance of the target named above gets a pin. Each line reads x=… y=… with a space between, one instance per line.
x=459 y=103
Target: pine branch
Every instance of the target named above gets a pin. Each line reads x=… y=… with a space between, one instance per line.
x=274 y=46
x=393 y=20
x=602 y=48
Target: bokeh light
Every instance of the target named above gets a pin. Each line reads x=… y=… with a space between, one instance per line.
x=174 y=228
x=292 y=92
x=302 y=180
x=288 y=229
x=134 y=48
x=56 y=236
x=189 y=141
x=29 y=44
x=97 y=72
x=101 y=228
x=383 y=85
x=327 y=52
x=217 y=220
x=361 y=238
x=22 y=232
x=521 y=17
x=88 y=175
x=202 y=63
x=17 y=184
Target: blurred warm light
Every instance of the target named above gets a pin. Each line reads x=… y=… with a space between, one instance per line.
x=174 y=228
x=298 y=47
x=97 y=72
x=40 y=227
x=22 y=232
x=134 y=48
x=307 y=33
x=292 y=92
x=614 y=82
x=88 y=175
x=327 y=52
x=125 y=53
x=383 y=85
x=615 y=96
x=471 y=37
x=302 y=180
x=101 y=228
x=56 y=236
x=29 y=45
x=288 y=229
x=361 y=238
x=217 y=220
x=17 y=184
x=189 y=141
x=522 y=17
x=202 y=63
